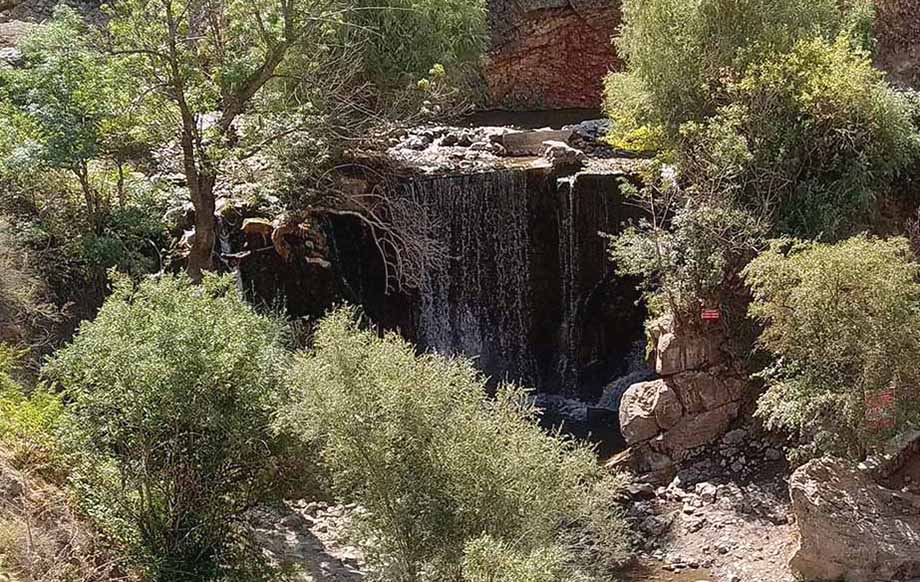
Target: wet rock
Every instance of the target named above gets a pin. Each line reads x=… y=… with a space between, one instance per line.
x=561 y=155
x=850 y=527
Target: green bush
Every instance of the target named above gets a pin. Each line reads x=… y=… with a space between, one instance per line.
x=683 y=53
x=821 y=137
x=172 y=388
x=686 y=253
x=840 y=322
x=442 y=468
x=402 y=40
x=28 y=420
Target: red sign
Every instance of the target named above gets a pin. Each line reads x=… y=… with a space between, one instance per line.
x=711 y=314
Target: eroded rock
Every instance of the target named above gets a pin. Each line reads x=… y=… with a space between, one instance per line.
x=850 y=527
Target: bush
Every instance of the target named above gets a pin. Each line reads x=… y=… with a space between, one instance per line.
x=687 y=252
x=840 y=322
x=172 y=389
x=776 y=103
x=24 y=309
x=821 y=137
x=683 y=53
x=402 y=40
x=28 y=421
x=444 y=471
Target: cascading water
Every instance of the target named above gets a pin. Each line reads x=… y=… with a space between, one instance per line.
x=479 y=304
x=528 y=290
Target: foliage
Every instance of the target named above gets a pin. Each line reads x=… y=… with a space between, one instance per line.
x=27 y=421
x=172 y=388
x=437 y=463
x=839 y=321
x=687 y=250
x=775 y=123
x=683 y=53
x=405 y=39
x=24 y=309
x=810 y=139
x=70 y=107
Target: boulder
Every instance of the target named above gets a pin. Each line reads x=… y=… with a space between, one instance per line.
x=646 y=409
x=850 y=528
x=702 y=391
x=696 y=430
x=531 y=142
x=681 y=353
x=562 y=155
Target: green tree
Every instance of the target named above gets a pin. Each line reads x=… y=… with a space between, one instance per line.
x=68 y=108
x=172 y=388
x=839 y=320
x=439 y=464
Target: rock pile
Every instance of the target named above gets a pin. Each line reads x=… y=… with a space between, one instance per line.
x=692 y=404
x=311 y=539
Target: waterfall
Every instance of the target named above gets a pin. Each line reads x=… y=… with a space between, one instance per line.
x=479 y=304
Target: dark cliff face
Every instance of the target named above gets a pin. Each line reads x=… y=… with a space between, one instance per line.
x=528 y=291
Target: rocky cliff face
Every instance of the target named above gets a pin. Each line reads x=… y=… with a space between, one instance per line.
x=898 y=33
x=550 y=54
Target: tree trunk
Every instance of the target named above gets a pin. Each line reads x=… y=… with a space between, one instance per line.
x=201 y=256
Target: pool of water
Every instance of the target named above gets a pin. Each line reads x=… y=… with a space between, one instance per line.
x=555 y=119
x=655 y=572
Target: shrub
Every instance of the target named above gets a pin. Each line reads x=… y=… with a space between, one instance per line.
x=27 y=421
x=820 y=136
x=839 y=321
x=687 y=251
x=444 y=470
x=24 y=309
x=172 y=389
x=683 y=53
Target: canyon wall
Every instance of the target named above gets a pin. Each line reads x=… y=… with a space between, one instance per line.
x=550 y=54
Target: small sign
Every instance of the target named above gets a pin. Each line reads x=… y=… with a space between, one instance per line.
x=711 y=314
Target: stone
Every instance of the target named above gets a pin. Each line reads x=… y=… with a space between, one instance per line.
x=695 y=431
x=646 y=409
x=258 y=226
x=562 y=155
x=773 y=454
x=531 y=142
x=707 y=492
x=735 y=437
x=701 y=391
x=850 y=527
x=676 y=353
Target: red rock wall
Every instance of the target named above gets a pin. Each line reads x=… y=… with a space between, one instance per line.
x=553 y=58
x=897 y=30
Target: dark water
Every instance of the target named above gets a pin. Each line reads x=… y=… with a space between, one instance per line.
x=531 y=119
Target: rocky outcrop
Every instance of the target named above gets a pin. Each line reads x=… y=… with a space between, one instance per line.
x=851 y=528
x=550 y=54
x=897 y=31
x=692 y=404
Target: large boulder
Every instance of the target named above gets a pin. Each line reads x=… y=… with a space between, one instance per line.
x=646 y=409
x=851 y=528
x=682 y=353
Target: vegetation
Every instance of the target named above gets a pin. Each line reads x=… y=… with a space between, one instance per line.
x=458 y=486
x=769 y=119
x=172 y=387
x=838 y=319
